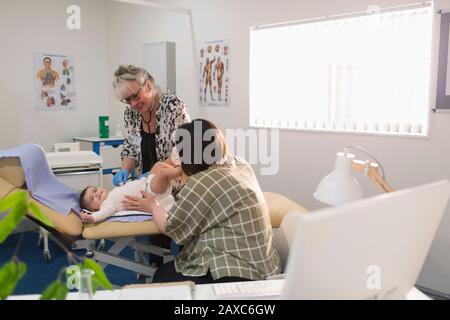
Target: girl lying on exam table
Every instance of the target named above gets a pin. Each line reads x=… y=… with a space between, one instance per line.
x=99 y=204
x=220 y=215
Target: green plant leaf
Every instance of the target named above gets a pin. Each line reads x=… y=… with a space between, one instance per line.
x=55 y=291
x=10 y=274
x=12 y=199
x=50 y=291
x=62 y=292
x=94 y=282
x=7 y=283
x=21 y=270
x=99 y=277
x=12 y=219
x=37 y=213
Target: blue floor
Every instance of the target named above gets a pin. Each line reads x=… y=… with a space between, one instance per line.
x=40 y=273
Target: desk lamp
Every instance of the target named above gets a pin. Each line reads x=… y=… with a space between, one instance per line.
x=340 y=186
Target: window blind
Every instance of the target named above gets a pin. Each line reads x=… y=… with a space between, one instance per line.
x=367 y=73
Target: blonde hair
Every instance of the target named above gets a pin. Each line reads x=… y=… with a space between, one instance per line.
x=130 y=73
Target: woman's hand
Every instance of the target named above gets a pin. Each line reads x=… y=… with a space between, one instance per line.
x=120 y=177
x=147 y=204
x=144 y=204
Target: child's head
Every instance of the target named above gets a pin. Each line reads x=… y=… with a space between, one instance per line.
x=92 y=197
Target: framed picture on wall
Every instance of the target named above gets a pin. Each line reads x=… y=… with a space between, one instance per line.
x=215 y=87
x=54 y=82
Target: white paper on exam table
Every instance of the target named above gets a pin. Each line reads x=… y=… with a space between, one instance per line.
x=160 y=291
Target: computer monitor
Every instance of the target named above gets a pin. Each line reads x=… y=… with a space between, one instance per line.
x=369 y=249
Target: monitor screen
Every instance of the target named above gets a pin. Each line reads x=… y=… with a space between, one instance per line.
x=368 y=249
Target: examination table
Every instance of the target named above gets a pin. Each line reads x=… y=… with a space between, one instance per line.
x=73 y=233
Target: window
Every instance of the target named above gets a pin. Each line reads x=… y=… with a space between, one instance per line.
x=364 y=73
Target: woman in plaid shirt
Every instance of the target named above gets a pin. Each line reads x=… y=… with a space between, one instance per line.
x=220 y=215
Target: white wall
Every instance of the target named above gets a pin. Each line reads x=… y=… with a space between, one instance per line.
x=304 y=157
x=130 y=27
x=28 y=26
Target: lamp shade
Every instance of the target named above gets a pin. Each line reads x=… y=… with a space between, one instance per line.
x=339 y=186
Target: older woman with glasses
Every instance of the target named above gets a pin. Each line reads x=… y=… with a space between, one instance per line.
x=150 y=118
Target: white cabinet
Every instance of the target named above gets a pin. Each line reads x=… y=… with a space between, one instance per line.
x=109 y=150
x=160 y=62
x=81 y=179
x=77 y=169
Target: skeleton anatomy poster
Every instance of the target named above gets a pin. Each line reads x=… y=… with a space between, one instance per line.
x=215 y=73
x=54 y=85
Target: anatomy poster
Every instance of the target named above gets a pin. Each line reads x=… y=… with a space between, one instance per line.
x=215 y=73
x=54 y=82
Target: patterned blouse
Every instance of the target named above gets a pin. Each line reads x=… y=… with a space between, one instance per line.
x=171 y=114
x=222 y=219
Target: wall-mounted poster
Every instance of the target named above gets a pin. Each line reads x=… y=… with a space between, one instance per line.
x=54 y=82
x=215 y=73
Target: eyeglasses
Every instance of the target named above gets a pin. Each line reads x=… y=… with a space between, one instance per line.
x=133 y=97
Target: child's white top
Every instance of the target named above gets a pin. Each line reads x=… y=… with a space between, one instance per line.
x=113 y=202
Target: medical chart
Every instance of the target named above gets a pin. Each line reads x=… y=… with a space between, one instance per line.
x=214 y=73
x=54 y=82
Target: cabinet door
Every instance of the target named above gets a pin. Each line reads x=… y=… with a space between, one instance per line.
x=107 y=181
x=111 y=156
x=80 y=180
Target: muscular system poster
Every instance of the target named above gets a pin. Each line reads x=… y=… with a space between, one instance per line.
x=214 y=73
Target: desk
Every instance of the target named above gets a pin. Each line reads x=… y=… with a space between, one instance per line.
x=200 y=292
x=206 y=292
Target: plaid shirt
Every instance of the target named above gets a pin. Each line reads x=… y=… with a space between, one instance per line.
x=222 y=220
